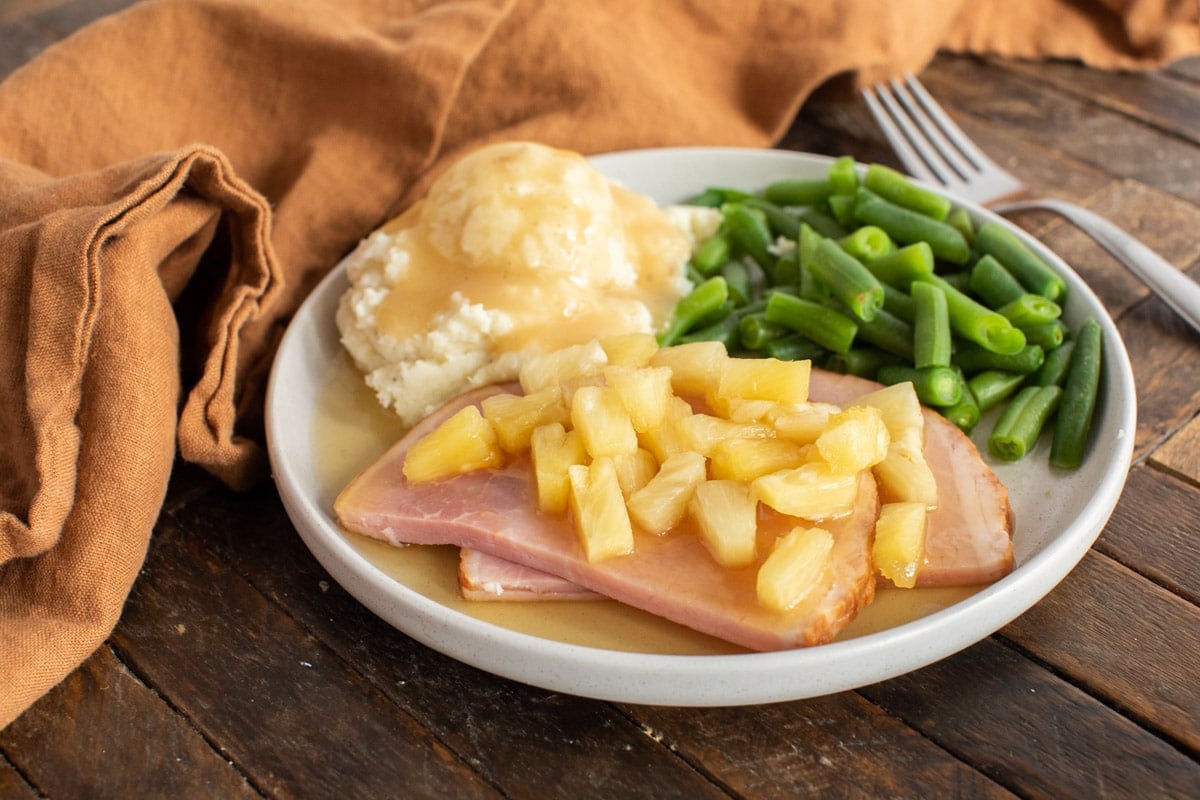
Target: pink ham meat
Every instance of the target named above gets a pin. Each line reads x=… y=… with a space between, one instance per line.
x=673 y=576
x=969 y=538
x=482 y=576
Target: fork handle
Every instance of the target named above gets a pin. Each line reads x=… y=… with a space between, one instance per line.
x=1177 y=290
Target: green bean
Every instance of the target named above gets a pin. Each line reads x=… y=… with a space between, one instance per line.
x=737 y=278
x=798 y=192
x=825 y=326
x=992 y=387
x=780 y=221
x=1047 y=336
x=960 y=220
x=712 y=254
x=888 y=332
x=896 y=187
x=693 y=275
x=931 y=326
x=847 y=279
x=965 y=413
x=787 y=267
x=823 y=223
x=724 y=330
x=811 y=287
x=958 y=280
x=748 y=228
x=1029 y=310
x=795 y=347
x=709 y=198
x=977 y=323
x=842 y=208
x=867 y=243
x=1079 y=398
x=1022 y=421
x=935 y=386
x=907 y=226
x=705 y=299
x=993 y=283
x=843 y=176
x=1053 y=371
x=898 y=303
x=904 y=266
x=1026 y=266
x=861 y=361
x=973 y=358
x=755 y=330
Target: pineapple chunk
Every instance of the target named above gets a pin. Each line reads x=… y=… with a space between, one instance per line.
x=727 y=518
x=562 y=366
x=630 y=349
x=659 y=505
x=463 y=443
x=855 y=439
x=900 y=542
x=703 y=432
x=602 y=421
x=739 y=409
x=553 y=449
x=794 y=568
x=645 y=393
x=601 y=520
x=813 y=491
x=904 y=475
x=901 y=409
x=634 y=470
x=738 y=459
x=801 y=422
x=764 y=379
x=516 y=416
x=667 y=439
x=695 y=366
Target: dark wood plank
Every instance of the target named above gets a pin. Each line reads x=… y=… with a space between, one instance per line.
x=148 y=749
x=12 y=785
x=809 y=749
x=1181 y=453
x=1153 y=531
x=1108 y=628
x=512 y=734
x=290 y=714
x=1033 y=732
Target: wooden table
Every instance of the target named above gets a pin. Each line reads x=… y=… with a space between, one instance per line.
x=240 y=669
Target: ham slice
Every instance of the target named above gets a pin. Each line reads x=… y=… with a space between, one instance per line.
x=673 y=576
x=482 y=576
x=968 y=542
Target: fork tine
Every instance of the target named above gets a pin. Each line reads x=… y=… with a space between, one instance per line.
x=947 y=130
x=883 y=108
x=942 y=149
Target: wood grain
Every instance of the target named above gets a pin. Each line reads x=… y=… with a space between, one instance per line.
x=1181 y=452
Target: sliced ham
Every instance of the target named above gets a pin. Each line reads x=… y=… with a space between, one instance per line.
x=673 y=576
x=968 y=542
x=482 y=576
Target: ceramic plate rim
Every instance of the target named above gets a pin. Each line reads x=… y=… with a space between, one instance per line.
x=684 y=680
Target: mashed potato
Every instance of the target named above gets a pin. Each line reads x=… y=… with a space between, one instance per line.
x=517 y=249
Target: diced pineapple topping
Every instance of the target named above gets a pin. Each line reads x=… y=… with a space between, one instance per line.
x=794 y=568
x=615 y=440
x=464 y=443
x=900 y=542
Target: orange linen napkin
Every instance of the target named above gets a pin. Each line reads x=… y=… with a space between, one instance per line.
x=175 y=178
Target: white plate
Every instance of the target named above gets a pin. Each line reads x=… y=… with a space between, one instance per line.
x=1058 y=515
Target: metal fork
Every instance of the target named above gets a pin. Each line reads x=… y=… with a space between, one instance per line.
x=932 y=147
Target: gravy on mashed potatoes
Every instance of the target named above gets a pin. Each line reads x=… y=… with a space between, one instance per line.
x=517 y=249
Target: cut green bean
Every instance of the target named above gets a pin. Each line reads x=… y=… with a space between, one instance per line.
x=747 y=227
x=959 y=280
x=737 y=278
x=830 y=329
x=795 y=347
x=903 y=266
x=896 y=187
x=993 y=283
x=705 y=299
x=960 y=220
x=861 y=361
x=935 y=386
x=972 y=359
x=811 y=287
x=712 y=254
x=843 y=176
x=1026 y=266
x=931 y=326
x=842 y=208
x=992 y=387
x=1029 y=310
x=847 y=279
x=906 y=226
x=898 y=303
x=1079 y=398
x=823 y=223
x=888 y=332
x=724 y=330
x=1046 y=336
x=965 y=413
x=1053 y=371
x=779 y=221
x=977 y=323
x=868 y=243
x=755 y=330
x=798 y=192
x=1021 y=422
